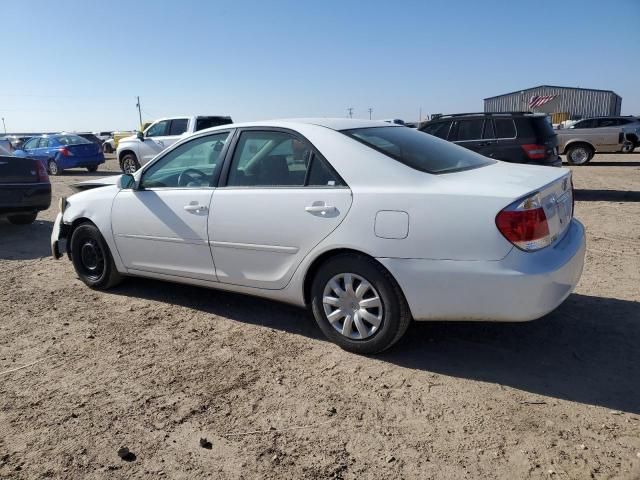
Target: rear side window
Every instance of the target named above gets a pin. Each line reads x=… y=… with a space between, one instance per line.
x=488 y=129
x=505 y=128
x=543 y=127
x=209 y=122
x=417 y=150
x=467 y=130
x=178 y=126
x=440 y=129
x=44 y=143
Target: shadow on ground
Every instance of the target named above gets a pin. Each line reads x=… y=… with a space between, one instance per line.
x=586 y=351
x=25 y=242
x=608 y=163
x=585 y=195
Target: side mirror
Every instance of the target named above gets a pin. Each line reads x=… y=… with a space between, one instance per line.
x=126 y=182
x=140 y=135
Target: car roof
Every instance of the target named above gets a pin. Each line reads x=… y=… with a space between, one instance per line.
x=331 y=123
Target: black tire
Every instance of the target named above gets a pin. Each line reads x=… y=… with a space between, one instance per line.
x=129 y=163
x=396 y=316
x=579 y=154
x=23 y=218
x=53 y=168
x=92 y=169
x=92 y=259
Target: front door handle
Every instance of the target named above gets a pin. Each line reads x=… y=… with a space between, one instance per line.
x=320 y=208
x=195 y=208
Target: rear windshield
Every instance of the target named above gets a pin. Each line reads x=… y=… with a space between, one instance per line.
x=418 y=150
x=72 y=140
x=208 y=122
x=543 y=126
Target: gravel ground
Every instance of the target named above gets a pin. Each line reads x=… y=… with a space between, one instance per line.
x=157 y=367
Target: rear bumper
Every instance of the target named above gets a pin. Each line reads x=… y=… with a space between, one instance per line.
x=552 y=162
x=24 y=198
x=522 y=286
x=78 y=162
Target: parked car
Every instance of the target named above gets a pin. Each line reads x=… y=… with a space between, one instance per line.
x=6 y=146
x=138 y=149
x=517 y=137
x=371 y=224
x=104 y=135
x=582 y=140
x=89 y=136
x=25 y=188
x=59 y=152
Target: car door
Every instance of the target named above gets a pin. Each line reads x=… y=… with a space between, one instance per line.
x=278 y=199
x=29 y=149
x=468 y=133
x=177 y=128
x=154 y=141
x=161 y=225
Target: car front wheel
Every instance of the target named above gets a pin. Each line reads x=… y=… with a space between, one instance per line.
x=358 y=305
x=130 y=163
x=92 y=259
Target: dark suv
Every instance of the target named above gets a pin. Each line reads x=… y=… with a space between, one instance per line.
x=518 y=137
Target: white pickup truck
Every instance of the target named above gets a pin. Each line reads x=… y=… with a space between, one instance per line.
x=136 y=150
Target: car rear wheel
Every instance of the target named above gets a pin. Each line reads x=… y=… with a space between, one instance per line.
x=358 y=305
x=92 y=259
x=53 y=168
x=130 y=163
x=23 y=219
x=579 y=154
x=93 y=168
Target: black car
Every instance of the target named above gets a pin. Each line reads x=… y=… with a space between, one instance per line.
x=25 y=189
x=517 y=137
x=91 y=137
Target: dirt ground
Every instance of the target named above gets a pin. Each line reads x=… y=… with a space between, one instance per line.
x=156 y=367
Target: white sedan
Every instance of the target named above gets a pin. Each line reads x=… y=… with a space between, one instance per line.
x=370 y=224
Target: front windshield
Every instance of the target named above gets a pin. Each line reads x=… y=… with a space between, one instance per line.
x=418 y=150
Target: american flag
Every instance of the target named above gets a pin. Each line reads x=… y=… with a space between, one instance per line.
x=539 y=100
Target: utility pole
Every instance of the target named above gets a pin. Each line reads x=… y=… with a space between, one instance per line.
x=350 y=112
x=4 y=125
x=370 y=111
x=139 y=111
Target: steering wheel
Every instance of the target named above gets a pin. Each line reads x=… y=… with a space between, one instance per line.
x=184 y=178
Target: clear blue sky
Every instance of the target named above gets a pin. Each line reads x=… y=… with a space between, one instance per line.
x=78 y=65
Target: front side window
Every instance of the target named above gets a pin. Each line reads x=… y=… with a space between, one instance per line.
x=505 y=128
x=488 y=132
x=31 y=144
x=417 y=150
x=178 y=126
x=191 y=165
x=585 y=124
x=269 y=159
x=158 y=129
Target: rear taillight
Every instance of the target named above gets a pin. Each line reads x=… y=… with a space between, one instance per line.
x=65 y=152
x=534 y=151
x=524 y=224
x=41 y=172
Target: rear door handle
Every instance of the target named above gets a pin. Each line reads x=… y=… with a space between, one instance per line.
x=196 y=208
x=320 y=208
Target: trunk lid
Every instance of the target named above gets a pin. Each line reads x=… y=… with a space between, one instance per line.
x=84 y=149
x=18 y=170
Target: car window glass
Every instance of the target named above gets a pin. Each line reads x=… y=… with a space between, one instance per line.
x=469 y=129
x=157 y=130
x=72 y=140
x=505 y=128
x=264 y=158
x=607 y=122
x=320 y=175
x=208 y=122
x=44 y=143
x=488 y=129
x=585 y=124
x=440 y=129
x=191 y=165
x=178 y=126
x=31 y=143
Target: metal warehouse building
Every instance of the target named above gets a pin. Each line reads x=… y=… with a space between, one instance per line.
x=562 y=103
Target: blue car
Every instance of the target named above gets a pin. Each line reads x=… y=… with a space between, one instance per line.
x=61 y=151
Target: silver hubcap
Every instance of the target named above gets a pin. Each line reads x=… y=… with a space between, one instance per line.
x=579 y=155
x=129 y=166
x=352 y=306
x=53 y=168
